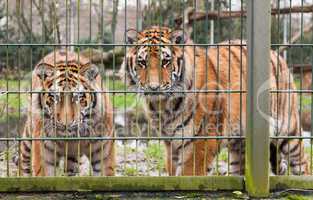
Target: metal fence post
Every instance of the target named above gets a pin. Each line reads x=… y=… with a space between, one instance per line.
x=257 y=135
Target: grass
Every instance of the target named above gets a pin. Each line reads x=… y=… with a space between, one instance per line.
x=223 y=155
x=305 y=99
x=296 y=197
x=130 y=171
x=121 y=100
x=11 y=104
x=155 y=152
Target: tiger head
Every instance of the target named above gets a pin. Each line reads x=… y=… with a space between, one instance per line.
x=68 y=96
x=156 y=62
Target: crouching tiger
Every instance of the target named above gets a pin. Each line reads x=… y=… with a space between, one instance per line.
x=67 y=102
x=167 y=75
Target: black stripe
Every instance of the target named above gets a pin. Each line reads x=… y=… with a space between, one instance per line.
x=96 y=151
x=178 y=103
x=25 y=161
x=39 y=101
x=297 y=155
x=294 y=148
x=97 y=170
x=49 y=162
x=130 y=70
x=27 y=171
x=180 y=65
x=151 y=107
x=24 y=156
x=235 y=163
x=72 y=159
x=95 y=162
x=94 y=102
x=51 y=149
x=235 y=172
x=292 y=164
x=282 y=145
x=26 y=147
x=185 y=143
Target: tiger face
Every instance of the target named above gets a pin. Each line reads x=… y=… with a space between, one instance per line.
x=69 y=97
x=154 y=65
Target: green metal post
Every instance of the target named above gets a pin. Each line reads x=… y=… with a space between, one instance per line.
x=257 y=135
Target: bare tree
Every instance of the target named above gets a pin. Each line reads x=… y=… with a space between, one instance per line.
x=47 y=17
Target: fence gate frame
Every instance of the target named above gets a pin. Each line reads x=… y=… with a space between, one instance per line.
x=257 y=132
x=257 y=181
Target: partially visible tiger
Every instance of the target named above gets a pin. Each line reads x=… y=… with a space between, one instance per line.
x=167 y=74
x=67 y=102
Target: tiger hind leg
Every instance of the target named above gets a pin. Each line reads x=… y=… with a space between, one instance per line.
x=293 y=151
x=279 y=166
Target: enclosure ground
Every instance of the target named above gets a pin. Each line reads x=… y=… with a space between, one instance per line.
x=289 y=195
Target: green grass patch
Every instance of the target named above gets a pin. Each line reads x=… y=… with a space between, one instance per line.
x=12 y=106
x=303 y=98
x=296 y=197
x=223 y=155
x=15 y=85
x=156 y=152
x=130 y=171
x=121 y=100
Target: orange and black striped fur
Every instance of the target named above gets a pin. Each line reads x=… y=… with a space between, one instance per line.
x=166 y=73
x=67 y=103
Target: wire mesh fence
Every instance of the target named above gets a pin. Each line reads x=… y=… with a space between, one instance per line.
x=154 y=88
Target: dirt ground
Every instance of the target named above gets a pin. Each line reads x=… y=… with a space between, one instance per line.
x=289 y=195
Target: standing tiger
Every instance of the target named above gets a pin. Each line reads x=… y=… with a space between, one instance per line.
x=172 y=78
x=67 y=102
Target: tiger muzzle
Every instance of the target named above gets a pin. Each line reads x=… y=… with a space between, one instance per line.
x=74 y=129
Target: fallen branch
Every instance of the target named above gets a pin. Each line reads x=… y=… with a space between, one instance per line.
x=98 y=56
x=298 y=68
x=214 y=15
x=297 y=36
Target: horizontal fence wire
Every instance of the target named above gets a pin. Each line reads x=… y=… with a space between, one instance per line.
x=137 y=45
x=121 y=45
x=69 y=138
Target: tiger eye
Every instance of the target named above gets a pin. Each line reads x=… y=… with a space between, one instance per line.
x=83 y=103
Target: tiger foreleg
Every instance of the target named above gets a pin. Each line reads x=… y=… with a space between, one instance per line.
x=25 y=163
x=72 y=165
x=195 y=156
x=50 y=159
x=237 y=157
x=102 y=159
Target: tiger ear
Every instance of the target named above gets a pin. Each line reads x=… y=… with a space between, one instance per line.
x=91 y=73
x=132 y=36
x=179 y=37
x=43 y=71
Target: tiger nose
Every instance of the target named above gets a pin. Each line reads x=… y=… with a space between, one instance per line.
x=154 y=87
x=66 y=115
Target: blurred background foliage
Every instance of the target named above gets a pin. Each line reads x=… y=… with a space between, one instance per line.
x=103 y=22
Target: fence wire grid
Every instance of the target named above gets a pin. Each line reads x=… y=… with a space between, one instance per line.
x=73 y=103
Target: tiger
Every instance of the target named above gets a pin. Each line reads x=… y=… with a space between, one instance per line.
x=175 y=78
x=67 y=101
